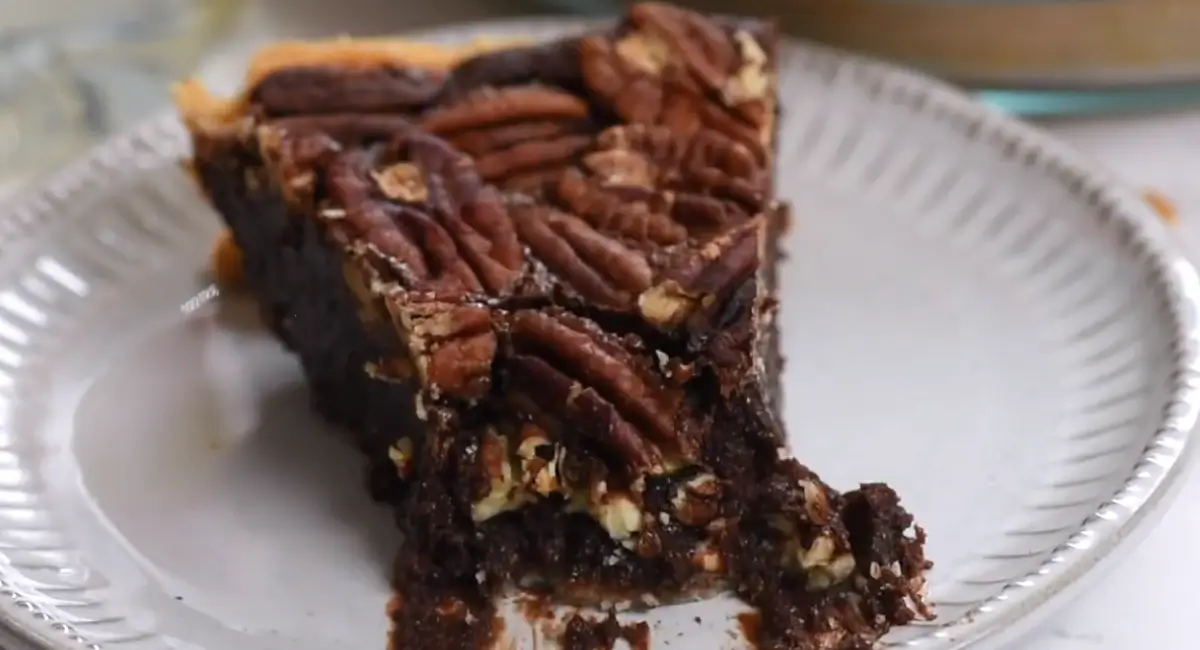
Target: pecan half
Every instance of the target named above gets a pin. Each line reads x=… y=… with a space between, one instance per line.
x=699 y=44
x=700 y=281
x=488 y=139
x=530 y=156
x=295 y=158
x=596 y=266
x=514 y=131
x=492 y=107
x=451 y=345
x=314 y=90
x=426 y=215
x=555 y=64
x=599 y=386
x=583 y=409
x=678 y=68
x=651 y=185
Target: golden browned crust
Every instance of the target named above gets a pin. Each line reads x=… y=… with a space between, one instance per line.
x=368 y=52
x=226 y=262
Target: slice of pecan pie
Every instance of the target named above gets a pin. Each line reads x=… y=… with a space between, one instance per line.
x=536 y=282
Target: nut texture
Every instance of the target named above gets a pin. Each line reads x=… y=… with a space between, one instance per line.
x=598 y=268
x=553 y=64
x=453 y=237
x=701 y=281
x=654 y=186
x=501 y=493
x=402 y=181
x=343 y=89
x=573 y=371
x=452 y=346
x=646 y=221
x=515 y=133
x=663 y=65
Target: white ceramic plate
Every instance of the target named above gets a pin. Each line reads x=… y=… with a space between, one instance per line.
x=972 y=314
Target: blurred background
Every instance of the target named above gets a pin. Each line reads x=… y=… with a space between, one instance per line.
x=72 y=71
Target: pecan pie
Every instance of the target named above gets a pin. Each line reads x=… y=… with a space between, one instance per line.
x=536 y=281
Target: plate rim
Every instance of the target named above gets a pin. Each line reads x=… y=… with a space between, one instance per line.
x=1021 y=601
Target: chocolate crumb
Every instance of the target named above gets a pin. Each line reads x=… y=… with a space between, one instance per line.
x=583 y=633
x=751 y=625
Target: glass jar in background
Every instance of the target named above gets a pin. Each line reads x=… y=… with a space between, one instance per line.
x=74 y=70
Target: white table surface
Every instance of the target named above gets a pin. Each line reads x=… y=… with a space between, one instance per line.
x=1145 y=600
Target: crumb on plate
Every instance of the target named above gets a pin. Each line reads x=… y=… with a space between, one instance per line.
x=1162 y=205
x=226 y=261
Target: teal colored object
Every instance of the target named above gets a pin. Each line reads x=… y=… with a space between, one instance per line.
x=1044 y=103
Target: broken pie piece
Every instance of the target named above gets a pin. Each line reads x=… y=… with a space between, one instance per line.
x=538 y=287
